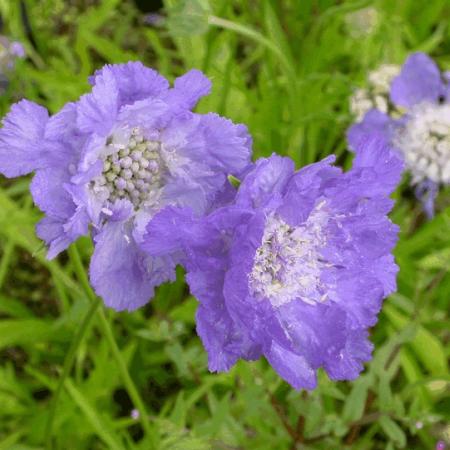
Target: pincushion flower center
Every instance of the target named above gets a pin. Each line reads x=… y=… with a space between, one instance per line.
x=376 y=94
x=425 y=142
x=288 y=264
x=132 y=169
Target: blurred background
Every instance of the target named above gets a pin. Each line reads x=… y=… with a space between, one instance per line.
x=287 y=69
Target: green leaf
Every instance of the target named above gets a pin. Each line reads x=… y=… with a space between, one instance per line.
x=354 y=405
x=236 y=182
x=188 y=17
x=25 y=331
x=93 y=417
x=427 y=347
x=439 y=259
x=393 y=431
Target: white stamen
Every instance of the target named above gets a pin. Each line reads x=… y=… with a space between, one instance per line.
x=425 y=142
x=288 y=264
x=376 y=94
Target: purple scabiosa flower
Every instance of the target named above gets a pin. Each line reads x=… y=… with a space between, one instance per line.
x=375 y=95
x=10 y=51
x=295 y=268
x=110 y=161
x=419 y=126
x=17 y=49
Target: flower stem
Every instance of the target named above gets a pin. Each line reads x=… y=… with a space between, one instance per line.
x=108 y=334
x=254 y=35
x=67 y=367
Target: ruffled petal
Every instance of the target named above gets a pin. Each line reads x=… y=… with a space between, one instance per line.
x=228 y=146
x=348 y=363
x=420 y=80
x=291 y=367
x=385 y=162
x=224 y=341
x=188 y=89
x=168 y=231
x=48 y=192
x=51 y=231
x=21 y=139
x=134 y=81
x=149 y=113
x=66 y=219
x=304 y=188
x=269 y=176
x=426 y=192
x=97 y=111
x=200 y=151
x=375 y=125
x=122 y=274
x=62 y=126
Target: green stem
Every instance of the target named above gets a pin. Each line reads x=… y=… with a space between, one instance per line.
x=252 y=34
x=67 y=367
x=6 y=259
x=108 y=333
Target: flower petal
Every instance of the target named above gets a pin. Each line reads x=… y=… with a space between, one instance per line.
x=375 y=125
x=121 y=273
x=21 y=149
x=268 y=176
x=420 y=80
x=134 y=81
x=51 y=230
x=188 y=89
x=291 y=367
x=97 y=111
x=48 y=192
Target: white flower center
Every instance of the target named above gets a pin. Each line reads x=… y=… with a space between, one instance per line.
x=425 y=142
x=132 y=169
x=380 y=80
x=288 y=264
x=376 y=95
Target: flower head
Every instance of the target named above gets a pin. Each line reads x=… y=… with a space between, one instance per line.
x=113 y=159
x=417 y=126
x=10 y=51
x=376 y=94
x=295 y=268
x=362 y=22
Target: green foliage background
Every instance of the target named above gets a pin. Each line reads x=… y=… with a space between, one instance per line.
x=285 y=68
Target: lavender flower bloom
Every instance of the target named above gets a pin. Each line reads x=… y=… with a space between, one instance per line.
x=295 y=269
x=113 y=159
x=10 y=51
x=420 y=127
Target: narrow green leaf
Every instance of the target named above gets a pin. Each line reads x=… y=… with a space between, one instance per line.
x=25 y=331
x=393 y=431
x=97 y=423
x=427 y=347
x=354 y=405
